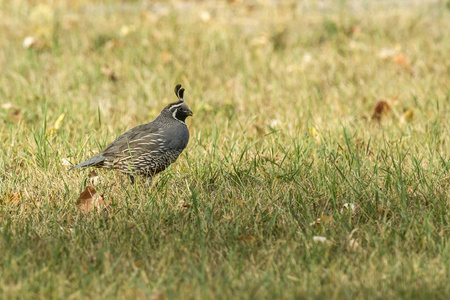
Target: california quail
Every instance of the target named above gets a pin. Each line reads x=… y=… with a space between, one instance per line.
x=150 y=148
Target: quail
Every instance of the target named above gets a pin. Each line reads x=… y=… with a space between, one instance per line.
x=147 y=149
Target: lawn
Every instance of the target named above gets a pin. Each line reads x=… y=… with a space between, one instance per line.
x=318 y=164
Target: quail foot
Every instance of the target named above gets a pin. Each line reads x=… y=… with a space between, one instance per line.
x=147 y=149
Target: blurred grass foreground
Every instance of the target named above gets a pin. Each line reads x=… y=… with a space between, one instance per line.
x=318 y=164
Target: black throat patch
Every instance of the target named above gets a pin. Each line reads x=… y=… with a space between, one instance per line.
x=181 y=115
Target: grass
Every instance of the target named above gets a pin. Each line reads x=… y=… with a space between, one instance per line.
x=283 y=150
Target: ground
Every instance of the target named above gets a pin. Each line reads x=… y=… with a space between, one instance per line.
x=318 y=163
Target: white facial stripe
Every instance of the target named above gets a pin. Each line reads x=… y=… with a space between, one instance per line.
x=175 y=117
x=176 y=105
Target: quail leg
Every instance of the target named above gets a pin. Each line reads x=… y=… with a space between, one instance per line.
x=150 y=181
x=132 y=179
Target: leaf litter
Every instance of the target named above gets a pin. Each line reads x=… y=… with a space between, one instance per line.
x=90 y=200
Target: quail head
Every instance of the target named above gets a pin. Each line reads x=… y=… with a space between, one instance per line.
x=150 y=148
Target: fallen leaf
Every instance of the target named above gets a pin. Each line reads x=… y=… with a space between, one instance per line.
x=316 y=223
x=260 y=40
x=65 y=162
x=58 y=121
x=93 y=178
x=30 y=42
x=7 y=105
x=56 y=125
x=401 y=60
x=386 y=53
x=312 y=131
x=89 y=199
x=109 y=72
x=348 y=207
x=381 y=108
x=321 y=240
x=138 y=263
x=407 y=116
x=306 y=59
x=250 y=237
x=14 y=198
x=113 y=43
x=166 y=56
x=325 y=220
x=274 y=123
x=15 y=115
x=354 y=30
x=126 y=30
x=205 y=16
x=353 y=244
x=246 y=238
x=157 y=295
x=227 y=217
x=384 y=211
x=239 y=202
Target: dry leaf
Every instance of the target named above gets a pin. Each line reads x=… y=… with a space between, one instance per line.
x=30 y=42
x=157 y=295
x=126 y=30
x=306 y=59
x=353 y=244
x=325 y=220
x=108 y=72
x=381 y=108
x=138 y=263
x=401 y=60
x=239 y=202
x=246 y=238
x=14 y=199
x=250 y=237
x=182 y=204
x=8 y=105
x=349 y=207
x=274 y=123
x=89 y=199
x=321 y=240
x=312 y=131
x=57 y=124
x=386 y=53
x=261 y=40
x=111 y=44
x=354 y=30
x=166 y=56
x=93 y=178
x=227 y=217
x=383 y=211
x=407 y=116
x=316 y=223
x=15 y=115
x=65 y=162
x=205 y=16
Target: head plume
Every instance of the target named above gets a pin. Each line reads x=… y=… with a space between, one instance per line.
x=179 y=91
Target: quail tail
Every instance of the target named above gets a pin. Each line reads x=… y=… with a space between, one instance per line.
x=90 y=162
